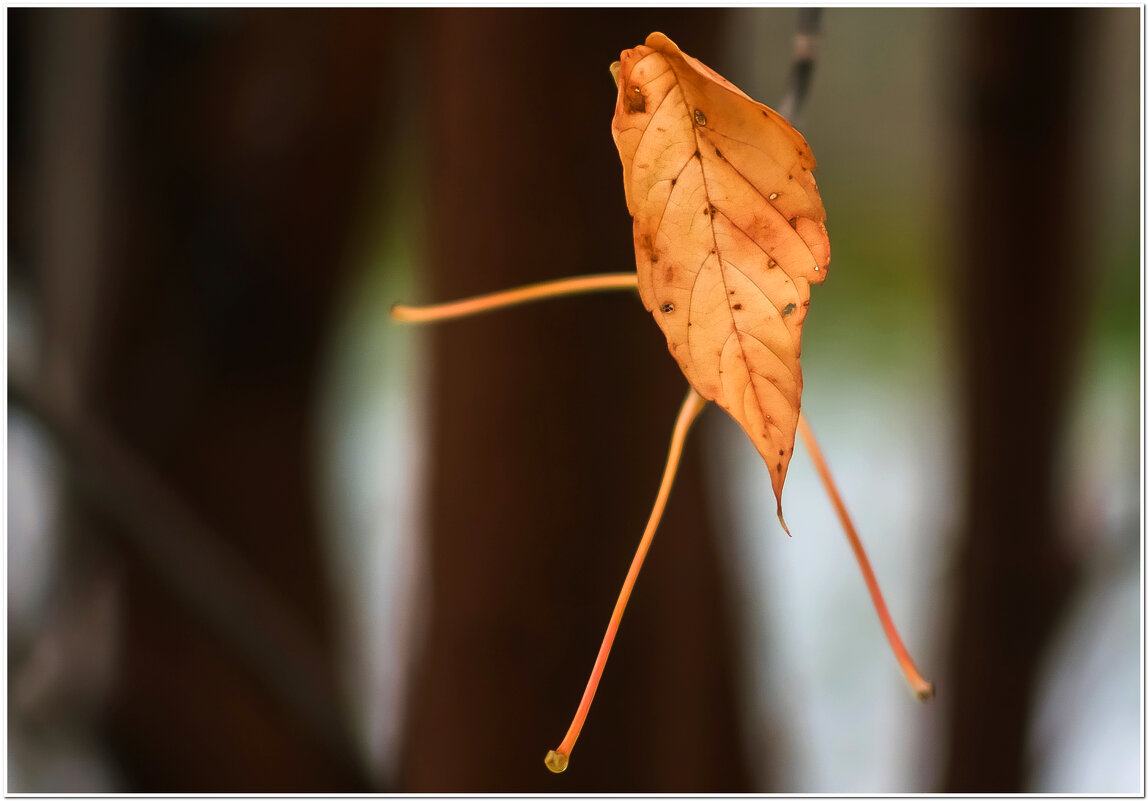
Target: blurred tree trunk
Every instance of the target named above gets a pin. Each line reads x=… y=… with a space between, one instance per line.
x=1022 y=296
x=550 y=429
x=237 y=158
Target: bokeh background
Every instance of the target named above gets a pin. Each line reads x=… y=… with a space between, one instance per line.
x=262 y=539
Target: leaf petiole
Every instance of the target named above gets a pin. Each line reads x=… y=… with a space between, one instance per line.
x=559 y=758
x=512 y=297
x=921 y=687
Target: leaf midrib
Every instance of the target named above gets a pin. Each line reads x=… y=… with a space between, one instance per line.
x=717 y=251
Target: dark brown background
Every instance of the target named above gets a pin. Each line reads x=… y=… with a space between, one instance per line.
x=179 y=220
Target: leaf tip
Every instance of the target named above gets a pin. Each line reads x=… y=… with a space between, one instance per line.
x=781 y=519
x=556 y=761
x=659 y=41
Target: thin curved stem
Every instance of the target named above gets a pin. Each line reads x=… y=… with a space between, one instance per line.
x=921 y=687
x=513 y=297
x=558 y=759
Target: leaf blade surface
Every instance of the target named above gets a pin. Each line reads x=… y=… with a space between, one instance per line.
x=729 y=235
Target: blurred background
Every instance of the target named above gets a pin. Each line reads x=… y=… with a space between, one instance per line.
x=261 y=539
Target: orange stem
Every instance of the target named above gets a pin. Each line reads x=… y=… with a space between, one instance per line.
x=558 y=759
x=921 y=687
x=513 y=297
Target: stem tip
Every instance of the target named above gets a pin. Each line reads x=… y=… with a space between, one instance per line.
x=557 y=762
x=781 y=519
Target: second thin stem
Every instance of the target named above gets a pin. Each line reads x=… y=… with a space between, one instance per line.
x=513 y=297
x=559 y=758
x=921 y=687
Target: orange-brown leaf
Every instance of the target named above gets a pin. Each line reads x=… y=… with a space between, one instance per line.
x=728 y=233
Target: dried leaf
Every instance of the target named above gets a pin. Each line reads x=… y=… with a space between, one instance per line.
x=728 y=233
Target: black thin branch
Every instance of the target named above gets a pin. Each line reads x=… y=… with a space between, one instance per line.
x=804 y=55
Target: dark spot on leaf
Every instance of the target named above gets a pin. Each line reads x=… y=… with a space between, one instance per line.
x=635 y=101
x=772 y=264
x=713 y=209
x=737 y=307
x=779 y=467
x=706 y=210
x=718 y=152
x=697 y=154
x=667 y=307
x=673 y=181
x=790 y=177
x=793 y=223
x=781 y=453
x=654 y=258
x=699 y=116
x=788 y=310
x=732 y=291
